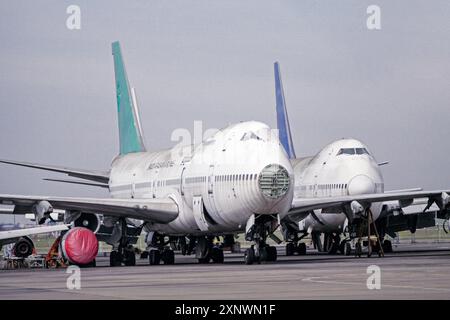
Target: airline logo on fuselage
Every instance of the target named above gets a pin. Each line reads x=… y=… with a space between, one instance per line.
x=164 y=164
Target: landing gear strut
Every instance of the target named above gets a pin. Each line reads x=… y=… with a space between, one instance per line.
x=372 y=244
x=160 y=251
x=206 y=251
x=295 y=248
x=124 y=253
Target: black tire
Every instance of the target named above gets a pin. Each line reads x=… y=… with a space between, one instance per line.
x=387 y=246
x=115 y=259
x=348 y=249
x=154 y=257
x=204 y=260
x=358 y=249
x=23 y=248
x=301 y=249
x=290 y=249
x=334 y=247
x=168 y=256
x=342 y=247
x=129 y=258
x=217 y=255
x=249 y=256
x=271 y=253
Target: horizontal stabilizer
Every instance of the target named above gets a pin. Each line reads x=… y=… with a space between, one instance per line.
x=98 y=176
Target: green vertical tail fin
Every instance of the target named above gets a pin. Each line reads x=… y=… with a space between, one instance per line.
x=130 y=131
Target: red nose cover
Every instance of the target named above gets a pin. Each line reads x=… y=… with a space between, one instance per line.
x=80 y=245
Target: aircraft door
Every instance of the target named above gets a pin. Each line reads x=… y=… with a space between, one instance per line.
x=211 y=179
x=182 y=181
x=199 y=214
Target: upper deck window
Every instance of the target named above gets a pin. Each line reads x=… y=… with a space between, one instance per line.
x=250 y=135
x=352 y=151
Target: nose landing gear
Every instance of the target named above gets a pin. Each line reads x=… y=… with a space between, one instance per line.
x=374 y=241
x=257 y=230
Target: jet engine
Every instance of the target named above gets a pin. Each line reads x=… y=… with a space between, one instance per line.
x=89 y=221
x=79 y=246
x=23 y=247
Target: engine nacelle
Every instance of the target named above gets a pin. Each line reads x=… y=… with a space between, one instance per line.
x=90 y=221
x=23 y=247
x=79 y=246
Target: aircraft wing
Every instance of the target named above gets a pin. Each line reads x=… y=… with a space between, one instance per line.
x=440 y=197
x=12 y=234
x=98 y=176
x=152 y=210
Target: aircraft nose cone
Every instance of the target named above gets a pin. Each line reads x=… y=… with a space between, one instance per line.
x=361 y=184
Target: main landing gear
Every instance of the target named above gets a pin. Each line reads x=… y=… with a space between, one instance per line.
x=123 y=253
x=294 y=246
x=257 y=230
x=160 y=251
x=206 y=250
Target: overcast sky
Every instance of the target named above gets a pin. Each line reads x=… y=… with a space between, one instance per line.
x=213 y=61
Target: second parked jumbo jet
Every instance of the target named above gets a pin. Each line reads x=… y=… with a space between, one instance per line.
x=345 y=176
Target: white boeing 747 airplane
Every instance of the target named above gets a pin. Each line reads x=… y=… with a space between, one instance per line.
x=238 y=180
x=346 y=176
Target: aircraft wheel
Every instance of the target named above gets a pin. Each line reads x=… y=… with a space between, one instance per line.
x=204 y=260
x=115 y=259
x=129 y=258
x=168 y=256
x=154 y=257
x=290 y=249
x=249 y=256
x=358 y=249
x=347 y=249
x=333 y=248
x=301 y=249
x=342 y=246
x=387 y=246
x=23 y=247
x=271 y=252
x=217 y=255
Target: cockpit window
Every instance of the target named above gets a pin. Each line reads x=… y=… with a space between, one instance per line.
x=352 y=151
x=346 y=151
x=361 y=151
x=250 y=135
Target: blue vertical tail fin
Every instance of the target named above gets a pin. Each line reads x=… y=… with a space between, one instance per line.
x=130 y=131
x=282 y=115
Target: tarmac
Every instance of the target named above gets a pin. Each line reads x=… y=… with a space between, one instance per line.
x=419 y=271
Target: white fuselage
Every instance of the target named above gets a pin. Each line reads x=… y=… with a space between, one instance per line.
x=344 y=167
x=217 y=184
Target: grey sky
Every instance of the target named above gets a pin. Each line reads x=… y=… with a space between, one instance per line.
x=213 y=61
